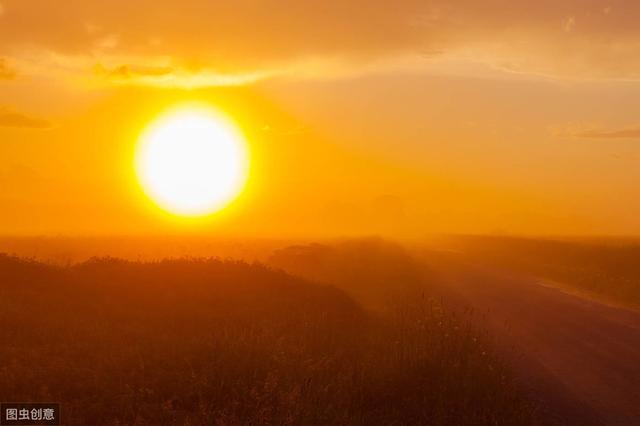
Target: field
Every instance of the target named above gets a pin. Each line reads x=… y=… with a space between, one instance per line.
x=605 y=268
x=206 y=341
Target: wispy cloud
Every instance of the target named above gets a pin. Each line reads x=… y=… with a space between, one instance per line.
x=126 y=72
x=173 y=76
x=582 y=131
x=10 y=118
x=627 y=133
x=580 y=39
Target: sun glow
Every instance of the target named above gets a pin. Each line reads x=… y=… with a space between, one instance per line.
x=192 y=161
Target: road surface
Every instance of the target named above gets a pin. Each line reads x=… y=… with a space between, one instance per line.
x=578 y=357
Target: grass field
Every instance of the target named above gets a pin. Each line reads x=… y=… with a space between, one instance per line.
x=606 y=267
x=197 y=341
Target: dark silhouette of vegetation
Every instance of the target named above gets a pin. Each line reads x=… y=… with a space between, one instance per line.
x=371 y=270
x=204 y=341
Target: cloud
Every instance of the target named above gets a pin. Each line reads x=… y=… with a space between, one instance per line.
x=590 y=130
x=6 y=73
x=126 y=72
x=627 y=133
x=10 y=118
x=172 y=76
x=226 y=36
x=569 y=39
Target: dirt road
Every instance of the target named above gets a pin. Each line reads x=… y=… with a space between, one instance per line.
x=578 y=357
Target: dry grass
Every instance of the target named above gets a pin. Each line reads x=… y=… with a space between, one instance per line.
x=228 y=343
x=610 y=268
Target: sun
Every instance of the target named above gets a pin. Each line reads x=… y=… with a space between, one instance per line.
x=192 y=161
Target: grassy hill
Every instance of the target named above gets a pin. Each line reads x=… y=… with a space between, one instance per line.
x=204 y=341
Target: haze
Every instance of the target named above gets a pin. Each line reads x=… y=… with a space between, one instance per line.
x=319 y=213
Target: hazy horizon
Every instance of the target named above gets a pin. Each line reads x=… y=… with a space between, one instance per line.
x=320 y=213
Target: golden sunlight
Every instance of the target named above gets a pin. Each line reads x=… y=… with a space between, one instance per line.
x=192 y=162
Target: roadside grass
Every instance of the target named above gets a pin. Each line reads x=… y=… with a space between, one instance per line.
x=608 y=268
x=204 y=341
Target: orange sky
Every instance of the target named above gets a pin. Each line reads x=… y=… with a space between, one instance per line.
x=363 y=118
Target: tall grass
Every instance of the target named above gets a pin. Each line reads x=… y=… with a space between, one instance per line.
x=190 y=342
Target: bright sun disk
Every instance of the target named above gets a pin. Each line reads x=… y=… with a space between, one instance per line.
x=192 y=162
